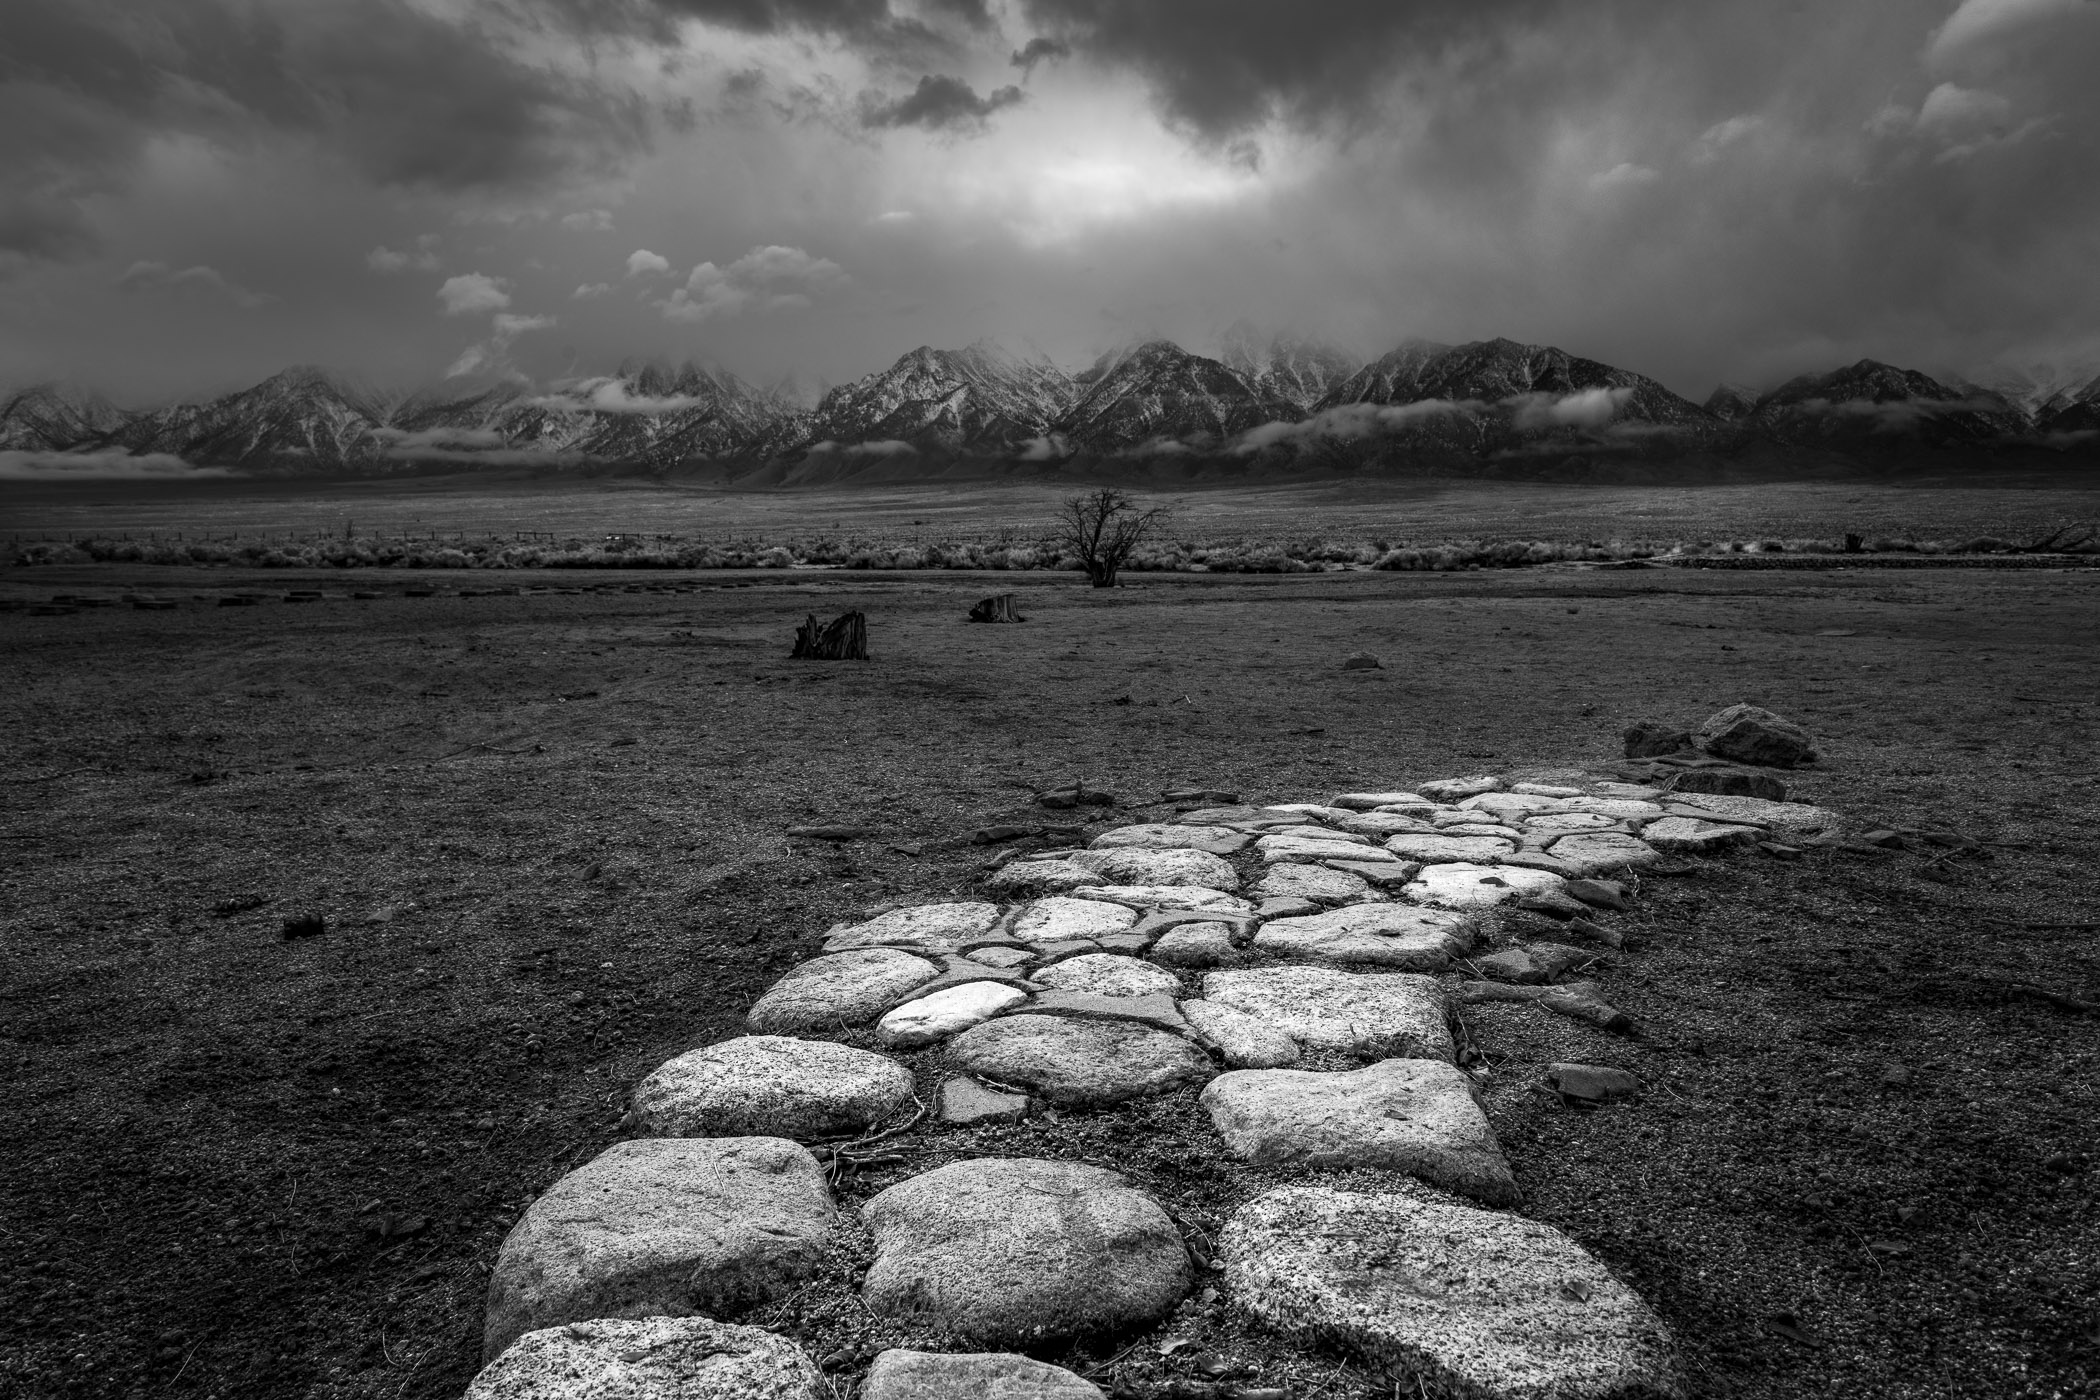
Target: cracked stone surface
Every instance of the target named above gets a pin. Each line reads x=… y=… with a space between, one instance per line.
x=1473 y=1302
x=1414 y=1116
x=1006 y=1250
x=662 y=1225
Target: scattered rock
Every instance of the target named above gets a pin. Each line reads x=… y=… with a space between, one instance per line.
x=964 y=1103
x=771 y=1085
x=1313 y=882
x=1200 y=795
x=1441 y=848
x=662 y=1225
x=653 y=1358
x=1649 y=739
x=1748 y=734
x=1060 y=917
x=1690 y=836
x=1196 y=945
x=1598 y=894
x=939 y=928
x=843 y=989
x=989 y=1375
x=1413 y=1116
x=1130 y=866
x=1163 y=836
x=1579 y=1000
x=1554 y=904
x=1536 y=963
x=1597 y=852
x=307 y=925
x=1457 y=1300
x=1003 y=1250
x=1592 y=1084
x=1110 y=975
x=1461 y=885
x=1079 y=1063
x=1076 y=795
x=1382 y=935
x=1362 y=661
x=1384 y=1015
x=1245 y=1042
x=927 y=1019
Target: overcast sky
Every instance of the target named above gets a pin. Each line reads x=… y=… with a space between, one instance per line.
x=194 y=193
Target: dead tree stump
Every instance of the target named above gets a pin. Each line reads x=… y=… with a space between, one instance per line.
x=997 y=608
x=842 y=639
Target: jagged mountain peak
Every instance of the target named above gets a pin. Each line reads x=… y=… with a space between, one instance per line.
x=1730 y=401
x=1285 y=364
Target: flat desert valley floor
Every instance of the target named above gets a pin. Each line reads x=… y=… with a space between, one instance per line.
x=547 y=834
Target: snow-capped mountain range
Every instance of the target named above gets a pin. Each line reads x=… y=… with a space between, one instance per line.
x=1266 y=402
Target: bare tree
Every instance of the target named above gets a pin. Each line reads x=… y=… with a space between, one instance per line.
x=1104 y=529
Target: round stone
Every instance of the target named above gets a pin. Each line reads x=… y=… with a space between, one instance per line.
x=985 y=1375
x=1457 y=1300
x=1109 y=974
x=839 y=991
x=662 y=1226
x=651 y=1358
x=1017 y=1251
x=1079 y=1063
x=774 y=1085
x=1060 y=917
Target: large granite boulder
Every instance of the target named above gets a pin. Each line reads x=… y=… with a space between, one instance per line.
x=669 y=1226
x=1016 y=1251
x=1748 y=734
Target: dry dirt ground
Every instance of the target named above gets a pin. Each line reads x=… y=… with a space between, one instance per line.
x=546 y=835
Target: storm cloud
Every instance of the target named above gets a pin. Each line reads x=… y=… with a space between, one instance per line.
x=940 y=103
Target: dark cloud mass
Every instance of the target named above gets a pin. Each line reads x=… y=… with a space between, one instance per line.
x=940 y=103
x=1040 y=49
x=1221 y=66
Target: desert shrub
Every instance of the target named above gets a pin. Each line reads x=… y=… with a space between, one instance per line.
x=776 y=558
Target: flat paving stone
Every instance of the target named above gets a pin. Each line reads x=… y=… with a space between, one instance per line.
x=662 y=1225
x=1622 y=809
x=1459 y=789
x=1111 y=975
x=1570 y=821
x=1440 y=848
x=1379 y=825
x=1366 y=801
x=1155 y=1009
x=1385 y=873
x=839 y=990
x=1079 y=1062
x=962 y=1102
x=1168 y=836
x=1033 y=877
x=1455 y=1299
x=1001 y=956
x=771 y=1085
x=1067 y=916
x=1597 y=852
x=1369 y=1014
x=1320 y=833
x=947 y=1012
x=1413 y=1116
x=1401 y=936
x=899 y=1374
x=1788 y=818
x=1638 y=792
x=1689 y=836
x=1314 y=882
x=651 y=1358
x=1147 y=867
x=1166 y=897
x=1195 y=945
x=1510 y=806
x=1005 y=1250
x=1279 y=849
x=1463 y=885
x=939 y=928
x=1245 y=1041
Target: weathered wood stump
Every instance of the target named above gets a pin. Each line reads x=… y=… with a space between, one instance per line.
x=842 y=639
x=997 y=608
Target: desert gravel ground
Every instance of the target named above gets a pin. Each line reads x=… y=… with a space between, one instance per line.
x=546 y=834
